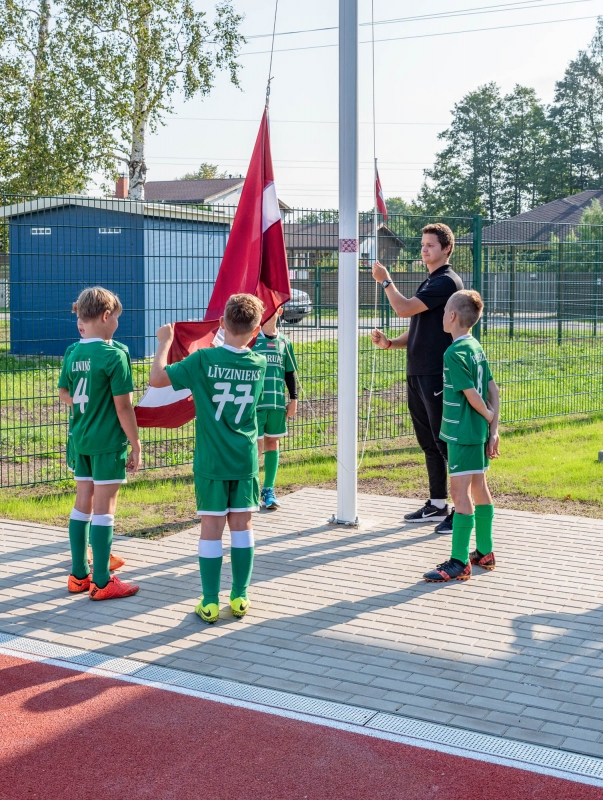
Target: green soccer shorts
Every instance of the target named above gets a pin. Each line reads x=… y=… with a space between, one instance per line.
x=467 y=459
x=272 y=422
x=217 y=498
x=70 y=453
x=101 y=468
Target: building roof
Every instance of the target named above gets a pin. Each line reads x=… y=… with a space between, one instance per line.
x=201 y=191
x=325 y=235
x=114 y=204
x=536 y=226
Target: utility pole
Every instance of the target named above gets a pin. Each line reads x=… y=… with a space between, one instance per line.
x=347 y=315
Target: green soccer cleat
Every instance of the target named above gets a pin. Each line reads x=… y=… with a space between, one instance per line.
x=209 y=613
x=240 y=606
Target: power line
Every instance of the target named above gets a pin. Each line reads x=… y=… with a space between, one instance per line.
x=296 y=121
x=522 y=5
x=428 y=35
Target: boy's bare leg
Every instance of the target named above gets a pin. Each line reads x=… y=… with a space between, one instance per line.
x=460 y=491
x=480 y=490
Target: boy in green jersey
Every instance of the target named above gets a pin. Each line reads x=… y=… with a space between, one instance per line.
x=226 y=383
x=273 y=410
x=96 y=382
x=470 y=429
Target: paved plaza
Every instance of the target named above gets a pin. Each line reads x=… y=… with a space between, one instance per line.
x=343 y=614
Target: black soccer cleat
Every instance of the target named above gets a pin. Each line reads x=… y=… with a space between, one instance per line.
x=453 y=570
x=485 y=562
x=446 y=525
x=429 y=513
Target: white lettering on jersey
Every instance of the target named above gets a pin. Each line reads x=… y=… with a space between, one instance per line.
x=80 y=366
x=478 y=357
x=80 y=397
x=222 y=399
x=229 y=373
x=243 y=400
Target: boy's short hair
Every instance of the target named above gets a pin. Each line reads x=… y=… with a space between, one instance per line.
x=93 y=302
x=444 y=234
x=243 y=313
x=468 y=305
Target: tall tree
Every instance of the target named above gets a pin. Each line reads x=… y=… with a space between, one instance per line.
x=466 y=174
x=524 y=138
x=157 y=48
x=53 y=129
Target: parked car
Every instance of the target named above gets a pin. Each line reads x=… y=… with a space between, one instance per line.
x=298 y=307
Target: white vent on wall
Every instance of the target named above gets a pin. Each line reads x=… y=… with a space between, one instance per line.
x=109 y=230
x=40 y=231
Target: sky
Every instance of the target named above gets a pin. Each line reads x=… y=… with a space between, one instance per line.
x=429 y=63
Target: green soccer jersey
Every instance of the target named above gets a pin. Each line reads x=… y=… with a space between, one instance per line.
x=95 y=371
x=226 y=384
x=280 y=358
x=465 y=367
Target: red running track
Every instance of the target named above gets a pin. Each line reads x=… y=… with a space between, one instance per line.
x=77 y=736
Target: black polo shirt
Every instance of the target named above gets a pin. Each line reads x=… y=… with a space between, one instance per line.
x=427 y=340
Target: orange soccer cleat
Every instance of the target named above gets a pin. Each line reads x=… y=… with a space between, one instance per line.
x=114 y=589
x=77 y=585
x=115 y=562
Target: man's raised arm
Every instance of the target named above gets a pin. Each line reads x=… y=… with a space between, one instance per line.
x=403 y=306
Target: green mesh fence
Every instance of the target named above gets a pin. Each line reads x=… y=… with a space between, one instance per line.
x=541 y=328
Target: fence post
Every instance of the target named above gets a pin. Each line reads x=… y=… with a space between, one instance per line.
x=512 y=279
x=560 y=294
x=486 y=295
x=317 y=296
x=477 y=265
x=596 y=287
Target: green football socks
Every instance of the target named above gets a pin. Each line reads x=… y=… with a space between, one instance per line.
x=484 y=517
x=462 y=526
x=210 y=568
x=101 y=539
x=270 y=469
x=241 y=558
x=79 y=533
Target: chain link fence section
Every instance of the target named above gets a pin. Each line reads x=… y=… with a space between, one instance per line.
x=541 y=329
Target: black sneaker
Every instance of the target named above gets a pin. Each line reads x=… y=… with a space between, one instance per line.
x=446 y=526
x=449 y=571
x=428 y=513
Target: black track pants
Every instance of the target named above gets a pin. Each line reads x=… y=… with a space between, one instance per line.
x=425 y=403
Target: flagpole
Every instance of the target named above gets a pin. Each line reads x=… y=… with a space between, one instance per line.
x=375 y=218
x=347 y=326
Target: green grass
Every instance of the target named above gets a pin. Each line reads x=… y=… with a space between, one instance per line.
x=539 y=379
x=553 y=469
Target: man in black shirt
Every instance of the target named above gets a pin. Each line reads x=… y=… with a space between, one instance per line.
x=425 y=342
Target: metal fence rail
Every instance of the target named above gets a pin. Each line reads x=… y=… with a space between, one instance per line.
x=542 y=326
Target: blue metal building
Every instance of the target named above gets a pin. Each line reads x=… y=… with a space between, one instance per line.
x=162 y=261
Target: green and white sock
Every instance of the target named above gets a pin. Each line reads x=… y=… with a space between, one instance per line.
x=101 y=539
x=79 y=533
x=270 y=468
x=241 y=559
x=210 y=568
x=484 y=518
x=462 y=526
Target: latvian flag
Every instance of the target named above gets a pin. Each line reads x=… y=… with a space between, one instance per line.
x=255 y=261
x=379 y=196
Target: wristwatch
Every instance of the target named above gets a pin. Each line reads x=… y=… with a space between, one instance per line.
x=386 y=283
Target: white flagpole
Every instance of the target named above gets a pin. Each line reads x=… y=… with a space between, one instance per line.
x=347 y=385
x=375 y=219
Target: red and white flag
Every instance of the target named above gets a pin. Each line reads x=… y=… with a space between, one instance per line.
x=255 y=261
x=382 y=208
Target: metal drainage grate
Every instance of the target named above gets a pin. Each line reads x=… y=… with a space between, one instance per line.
x=124 y=666
x=258 y=695
x=47 y=649
x=489 y=745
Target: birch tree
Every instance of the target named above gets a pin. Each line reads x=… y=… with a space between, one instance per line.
x=157 y=48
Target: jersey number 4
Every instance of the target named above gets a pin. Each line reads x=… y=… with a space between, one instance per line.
x=80 y=397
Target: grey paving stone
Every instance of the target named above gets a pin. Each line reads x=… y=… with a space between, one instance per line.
x=505 y=653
